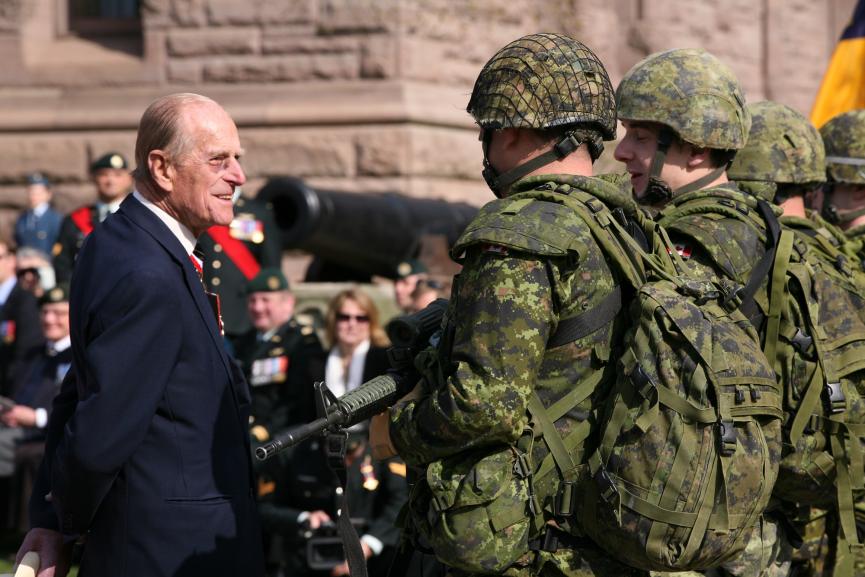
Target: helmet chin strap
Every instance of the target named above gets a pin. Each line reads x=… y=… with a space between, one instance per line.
x=659 y=192
x=831 y=214
x=500 y=183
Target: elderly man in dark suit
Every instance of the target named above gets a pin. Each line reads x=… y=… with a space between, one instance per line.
x=153 y=461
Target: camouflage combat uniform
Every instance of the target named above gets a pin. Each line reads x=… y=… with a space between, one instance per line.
x=528 y=262
x=696 y=98
x=507 y=301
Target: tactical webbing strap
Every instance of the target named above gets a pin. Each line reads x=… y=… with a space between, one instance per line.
x=761 y=270
x=587 y=322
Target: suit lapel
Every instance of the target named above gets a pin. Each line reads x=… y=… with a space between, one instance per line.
x=150 y=223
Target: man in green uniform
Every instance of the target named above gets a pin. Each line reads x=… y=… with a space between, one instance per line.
x=544 y=105
x=685 y=117
x=280 y=358
x=844 y=202
x=110 y=173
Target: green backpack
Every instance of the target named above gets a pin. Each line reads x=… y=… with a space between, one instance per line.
x=687 y=452
x=689 y=445
x=813 y=332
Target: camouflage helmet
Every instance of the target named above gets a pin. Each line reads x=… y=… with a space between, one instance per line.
x=844 y=137
x=690 y=91
x=544 y=81
x=783 y=147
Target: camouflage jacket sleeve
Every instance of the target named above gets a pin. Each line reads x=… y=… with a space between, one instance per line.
x=503 y=313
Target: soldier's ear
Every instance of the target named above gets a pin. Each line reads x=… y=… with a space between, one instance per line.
x=698 y=157
x=161 y=169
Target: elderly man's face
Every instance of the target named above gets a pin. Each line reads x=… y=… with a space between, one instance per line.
x=55 y=320
x=205 y=176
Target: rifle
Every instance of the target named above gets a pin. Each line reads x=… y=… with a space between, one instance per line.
x=409 y=335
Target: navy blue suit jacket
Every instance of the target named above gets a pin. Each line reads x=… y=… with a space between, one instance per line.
x=153 y=463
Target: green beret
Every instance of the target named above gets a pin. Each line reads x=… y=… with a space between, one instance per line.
x=410 y=267
x=58 y=294
x=110 y=160
x=267 y=281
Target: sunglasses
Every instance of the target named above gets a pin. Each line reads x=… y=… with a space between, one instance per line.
x=341 y=317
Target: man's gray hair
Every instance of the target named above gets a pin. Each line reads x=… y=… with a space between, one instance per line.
x=159 y=129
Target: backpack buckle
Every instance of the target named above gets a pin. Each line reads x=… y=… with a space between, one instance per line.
x=802 y=342
x=727 y=438
x=643 y=383
x=835 y=396
x=731 y=295
x=521 y=466
x=608 y=490
x=564 y=504
x=701 y=292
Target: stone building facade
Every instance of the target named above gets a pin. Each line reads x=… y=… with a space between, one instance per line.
x=357 y=95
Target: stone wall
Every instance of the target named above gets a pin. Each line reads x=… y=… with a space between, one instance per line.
x=359 y=95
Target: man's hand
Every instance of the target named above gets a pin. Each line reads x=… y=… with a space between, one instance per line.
x=317 y=518
x=53 y=554
x=19 y=416
x=342 y=569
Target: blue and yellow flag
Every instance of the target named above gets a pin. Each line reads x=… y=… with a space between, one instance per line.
x=843 y=85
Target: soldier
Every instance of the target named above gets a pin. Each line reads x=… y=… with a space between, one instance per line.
x=235 y=254
x=844 y=202
x=300 y=497
x=685 y=117
x=408 y=274
x=280 y=358
x=544 y=105
x=39 y=225
x=110 y=173
x=40 y=382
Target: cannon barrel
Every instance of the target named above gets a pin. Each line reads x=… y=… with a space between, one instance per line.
x=372 y=233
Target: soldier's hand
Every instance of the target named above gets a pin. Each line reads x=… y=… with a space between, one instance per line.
x=317 y=518
x=379 y=437
x=53 y=554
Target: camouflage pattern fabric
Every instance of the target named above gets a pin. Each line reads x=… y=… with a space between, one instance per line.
x=543 y=81
x=783 y=147
x=718 y=232
x=844 y=139
x=526 y=265
x=692 y=92
x=767 y=554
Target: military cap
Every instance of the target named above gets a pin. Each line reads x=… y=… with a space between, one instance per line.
x=267 y=281
x=58 y=294
x=38 y=178
x=409 y=267
x=110 y=160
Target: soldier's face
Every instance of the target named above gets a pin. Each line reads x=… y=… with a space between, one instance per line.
x=38 y=194
x=55 y=320
x=205 y=176
x=637 y=150
x=269 y=310
x=112 y=183
x=403 y=287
